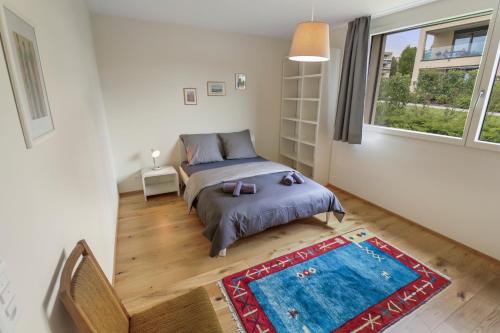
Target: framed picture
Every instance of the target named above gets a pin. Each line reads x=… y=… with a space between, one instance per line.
x=26 y=75
x=241 y=81
x=190 y=97
x=216 y=88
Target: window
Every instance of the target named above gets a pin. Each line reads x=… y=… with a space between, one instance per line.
x=465 y=43
x=470 y=42
x=490 y=129
x=427 y=84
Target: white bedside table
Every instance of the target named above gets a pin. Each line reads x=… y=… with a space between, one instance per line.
x=164 y=180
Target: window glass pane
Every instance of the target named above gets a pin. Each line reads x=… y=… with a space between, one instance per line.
x=477 y=45
x=428 y=76
x=490 y=131
x=462 y=43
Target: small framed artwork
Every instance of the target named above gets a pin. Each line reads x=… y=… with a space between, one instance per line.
x=190 y=97
x=216 y=88
x=25 y=71
x=241 y=81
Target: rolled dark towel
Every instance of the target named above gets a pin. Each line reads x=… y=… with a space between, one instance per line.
x=246 y=188
x=288 y=179
x=298 y=178
x=237 y=189
x=228 y=187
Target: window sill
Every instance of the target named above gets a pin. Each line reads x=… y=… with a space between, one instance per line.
x=415 y=135
x=475 y=144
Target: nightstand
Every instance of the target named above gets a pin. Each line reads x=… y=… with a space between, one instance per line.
x=164 y=180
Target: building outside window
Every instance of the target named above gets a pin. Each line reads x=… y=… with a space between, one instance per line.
x=387 y=64
x=451 y=45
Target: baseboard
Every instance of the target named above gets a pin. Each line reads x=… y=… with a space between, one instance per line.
x=336 y=188
x=126 y=194
x=116 y=241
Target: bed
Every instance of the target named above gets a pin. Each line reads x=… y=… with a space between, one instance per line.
x=227 y=219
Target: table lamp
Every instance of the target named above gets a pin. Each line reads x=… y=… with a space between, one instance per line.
x=155 y=154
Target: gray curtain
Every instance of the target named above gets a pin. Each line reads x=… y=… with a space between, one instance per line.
x=349 y=117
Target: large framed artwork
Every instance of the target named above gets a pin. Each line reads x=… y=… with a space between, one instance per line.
x=25 y=71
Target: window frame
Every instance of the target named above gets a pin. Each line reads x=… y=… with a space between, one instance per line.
x=480 y=94
x=484 y=93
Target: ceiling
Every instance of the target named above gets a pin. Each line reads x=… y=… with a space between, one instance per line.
x=260 y=17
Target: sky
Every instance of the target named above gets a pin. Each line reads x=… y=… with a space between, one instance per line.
x=397 y=42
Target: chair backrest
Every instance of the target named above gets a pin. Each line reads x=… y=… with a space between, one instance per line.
x=88 y=296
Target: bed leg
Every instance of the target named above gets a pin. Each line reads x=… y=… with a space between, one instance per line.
x=327 y=218
x=222 y=253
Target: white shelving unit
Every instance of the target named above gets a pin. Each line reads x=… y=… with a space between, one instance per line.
x=300 y=115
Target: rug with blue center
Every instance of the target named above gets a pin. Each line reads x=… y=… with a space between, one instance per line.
x=351 y=283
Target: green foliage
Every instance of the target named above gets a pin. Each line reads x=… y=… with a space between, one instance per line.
x=462 y=101
x=407 y=60
x=452 y=88
x=433 y=120
x=394 y=66
x=491 y=125
x=395 y=89
x=442 y=99
x=491 y=129
x=494 y=104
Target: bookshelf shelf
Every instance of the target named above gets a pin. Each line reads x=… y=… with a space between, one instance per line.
x=300 y=114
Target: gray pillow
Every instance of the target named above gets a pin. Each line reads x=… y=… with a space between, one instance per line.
x=237 y=145
x=202 y=148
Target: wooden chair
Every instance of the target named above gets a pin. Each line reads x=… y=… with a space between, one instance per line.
x=94 y=306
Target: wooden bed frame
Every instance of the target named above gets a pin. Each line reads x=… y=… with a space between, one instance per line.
x=184 y=177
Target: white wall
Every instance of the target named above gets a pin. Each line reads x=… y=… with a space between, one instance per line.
x=64 y=189
x=145 y=65
x=453 y=190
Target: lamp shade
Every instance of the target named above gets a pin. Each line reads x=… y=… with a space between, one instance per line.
x=311 y=42
x=155 y=153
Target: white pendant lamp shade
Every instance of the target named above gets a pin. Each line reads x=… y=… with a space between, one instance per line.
x=311 y=42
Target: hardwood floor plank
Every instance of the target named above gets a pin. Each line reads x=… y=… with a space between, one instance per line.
x=161 y=253
x=477 y=310
x=491 y=324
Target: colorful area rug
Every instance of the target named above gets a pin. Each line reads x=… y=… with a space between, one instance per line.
x=351 y=283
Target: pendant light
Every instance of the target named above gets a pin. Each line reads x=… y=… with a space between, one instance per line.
x=311 y=41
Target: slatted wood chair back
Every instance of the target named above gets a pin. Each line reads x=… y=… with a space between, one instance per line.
x=89 y=297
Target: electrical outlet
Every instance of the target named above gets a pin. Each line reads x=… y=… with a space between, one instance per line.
x=6 y=296
x=3 y=281
x=9 y=310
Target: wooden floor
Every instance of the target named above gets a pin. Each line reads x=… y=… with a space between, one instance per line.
x=161 y=254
